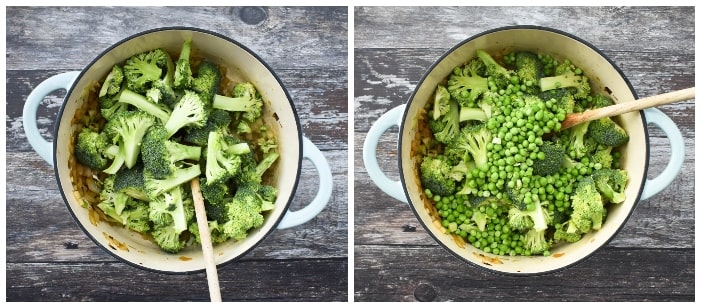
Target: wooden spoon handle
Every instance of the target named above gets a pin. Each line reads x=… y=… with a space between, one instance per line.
x=206 y=240
x=617 y=109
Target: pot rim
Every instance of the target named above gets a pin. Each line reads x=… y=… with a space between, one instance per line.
x=191 y=29
x=403 y=127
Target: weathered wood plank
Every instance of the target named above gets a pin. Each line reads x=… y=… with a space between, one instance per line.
x=247 y=280
x=322 y=106
x=42 y=226
x=605 y=27
x=418 y=273
x=283 y=37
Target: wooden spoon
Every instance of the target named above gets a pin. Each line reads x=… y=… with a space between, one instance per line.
x=573 y=119
x=206 y=241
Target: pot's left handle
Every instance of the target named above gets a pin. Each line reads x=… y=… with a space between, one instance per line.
x=323 y=195
x=29 y=113
x=389 y=119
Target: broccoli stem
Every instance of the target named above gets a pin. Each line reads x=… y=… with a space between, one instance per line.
x=472 y=113
x=141 y=102
x=232 y=103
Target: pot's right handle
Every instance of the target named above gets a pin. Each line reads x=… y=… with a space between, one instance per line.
x=29 y=113
x=661 y=120
x=389 y=119
x=323 y=195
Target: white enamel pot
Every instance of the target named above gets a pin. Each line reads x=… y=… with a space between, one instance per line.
x=242 y=63
x=605 y=76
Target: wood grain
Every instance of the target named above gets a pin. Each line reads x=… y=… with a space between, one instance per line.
x=650 y=259
x=48 y=256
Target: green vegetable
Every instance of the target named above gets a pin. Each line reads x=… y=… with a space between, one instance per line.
x=162 y=128
x=501 y=173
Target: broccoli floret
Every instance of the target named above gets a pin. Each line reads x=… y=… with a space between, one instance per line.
x=143 y=69
x=117 y=154
x=112 y=202
x=223 y=156
x=458 y=171
x=162 y=94
x=567 y=232
x=156 y=187
x=529 y=70
x=113 y=82
x=473 y=139
x=131 y=182
x=168 y=210
x=112 y=106
x=214 y=193
x=495 y=71
x=137 y=216
x=218 y=119
x=600 y=101
x=119 y=207
x=245 y=101
x=264 y=164
x=206 y=84
x=144 y=104
x=168 y=239
x=587 y=206
x=160 y=154
x=611 y=184
x=449 y=125
x=251 y=170
x=578 y=147
x=519 y=220
x=534 y=216
x=435 y=175
x=603 y=157
x=267 y=192
x=441 y=102
x=563 y=97
x=536 y=242
x=549 y=159
x=607 y=132
x=128 y=129
x=171 y=213
x=183 y=77
x=91 y=149
x=216 y=232
x=480 y=219
x=161 y=91
x=266 y=142
x=190 y=110
x=487 y=103
x=244 y=213
x=578 y=83
x=465 y=84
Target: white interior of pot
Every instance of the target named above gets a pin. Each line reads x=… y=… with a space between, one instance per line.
x=602 y=74
x=280 y=116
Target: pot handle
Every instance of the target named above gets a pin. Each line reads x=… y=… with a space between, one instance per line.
x=390 y=118
x=661 y=120
x=29 y=113
x=311 y=152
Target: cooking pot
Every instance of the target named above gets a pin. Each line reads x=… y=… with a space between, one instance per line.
x=605 y=77
x=242 y=64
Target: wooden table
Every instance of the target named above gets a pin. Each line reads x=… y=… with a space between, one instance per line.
x=651 y=259
x=48 y=256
